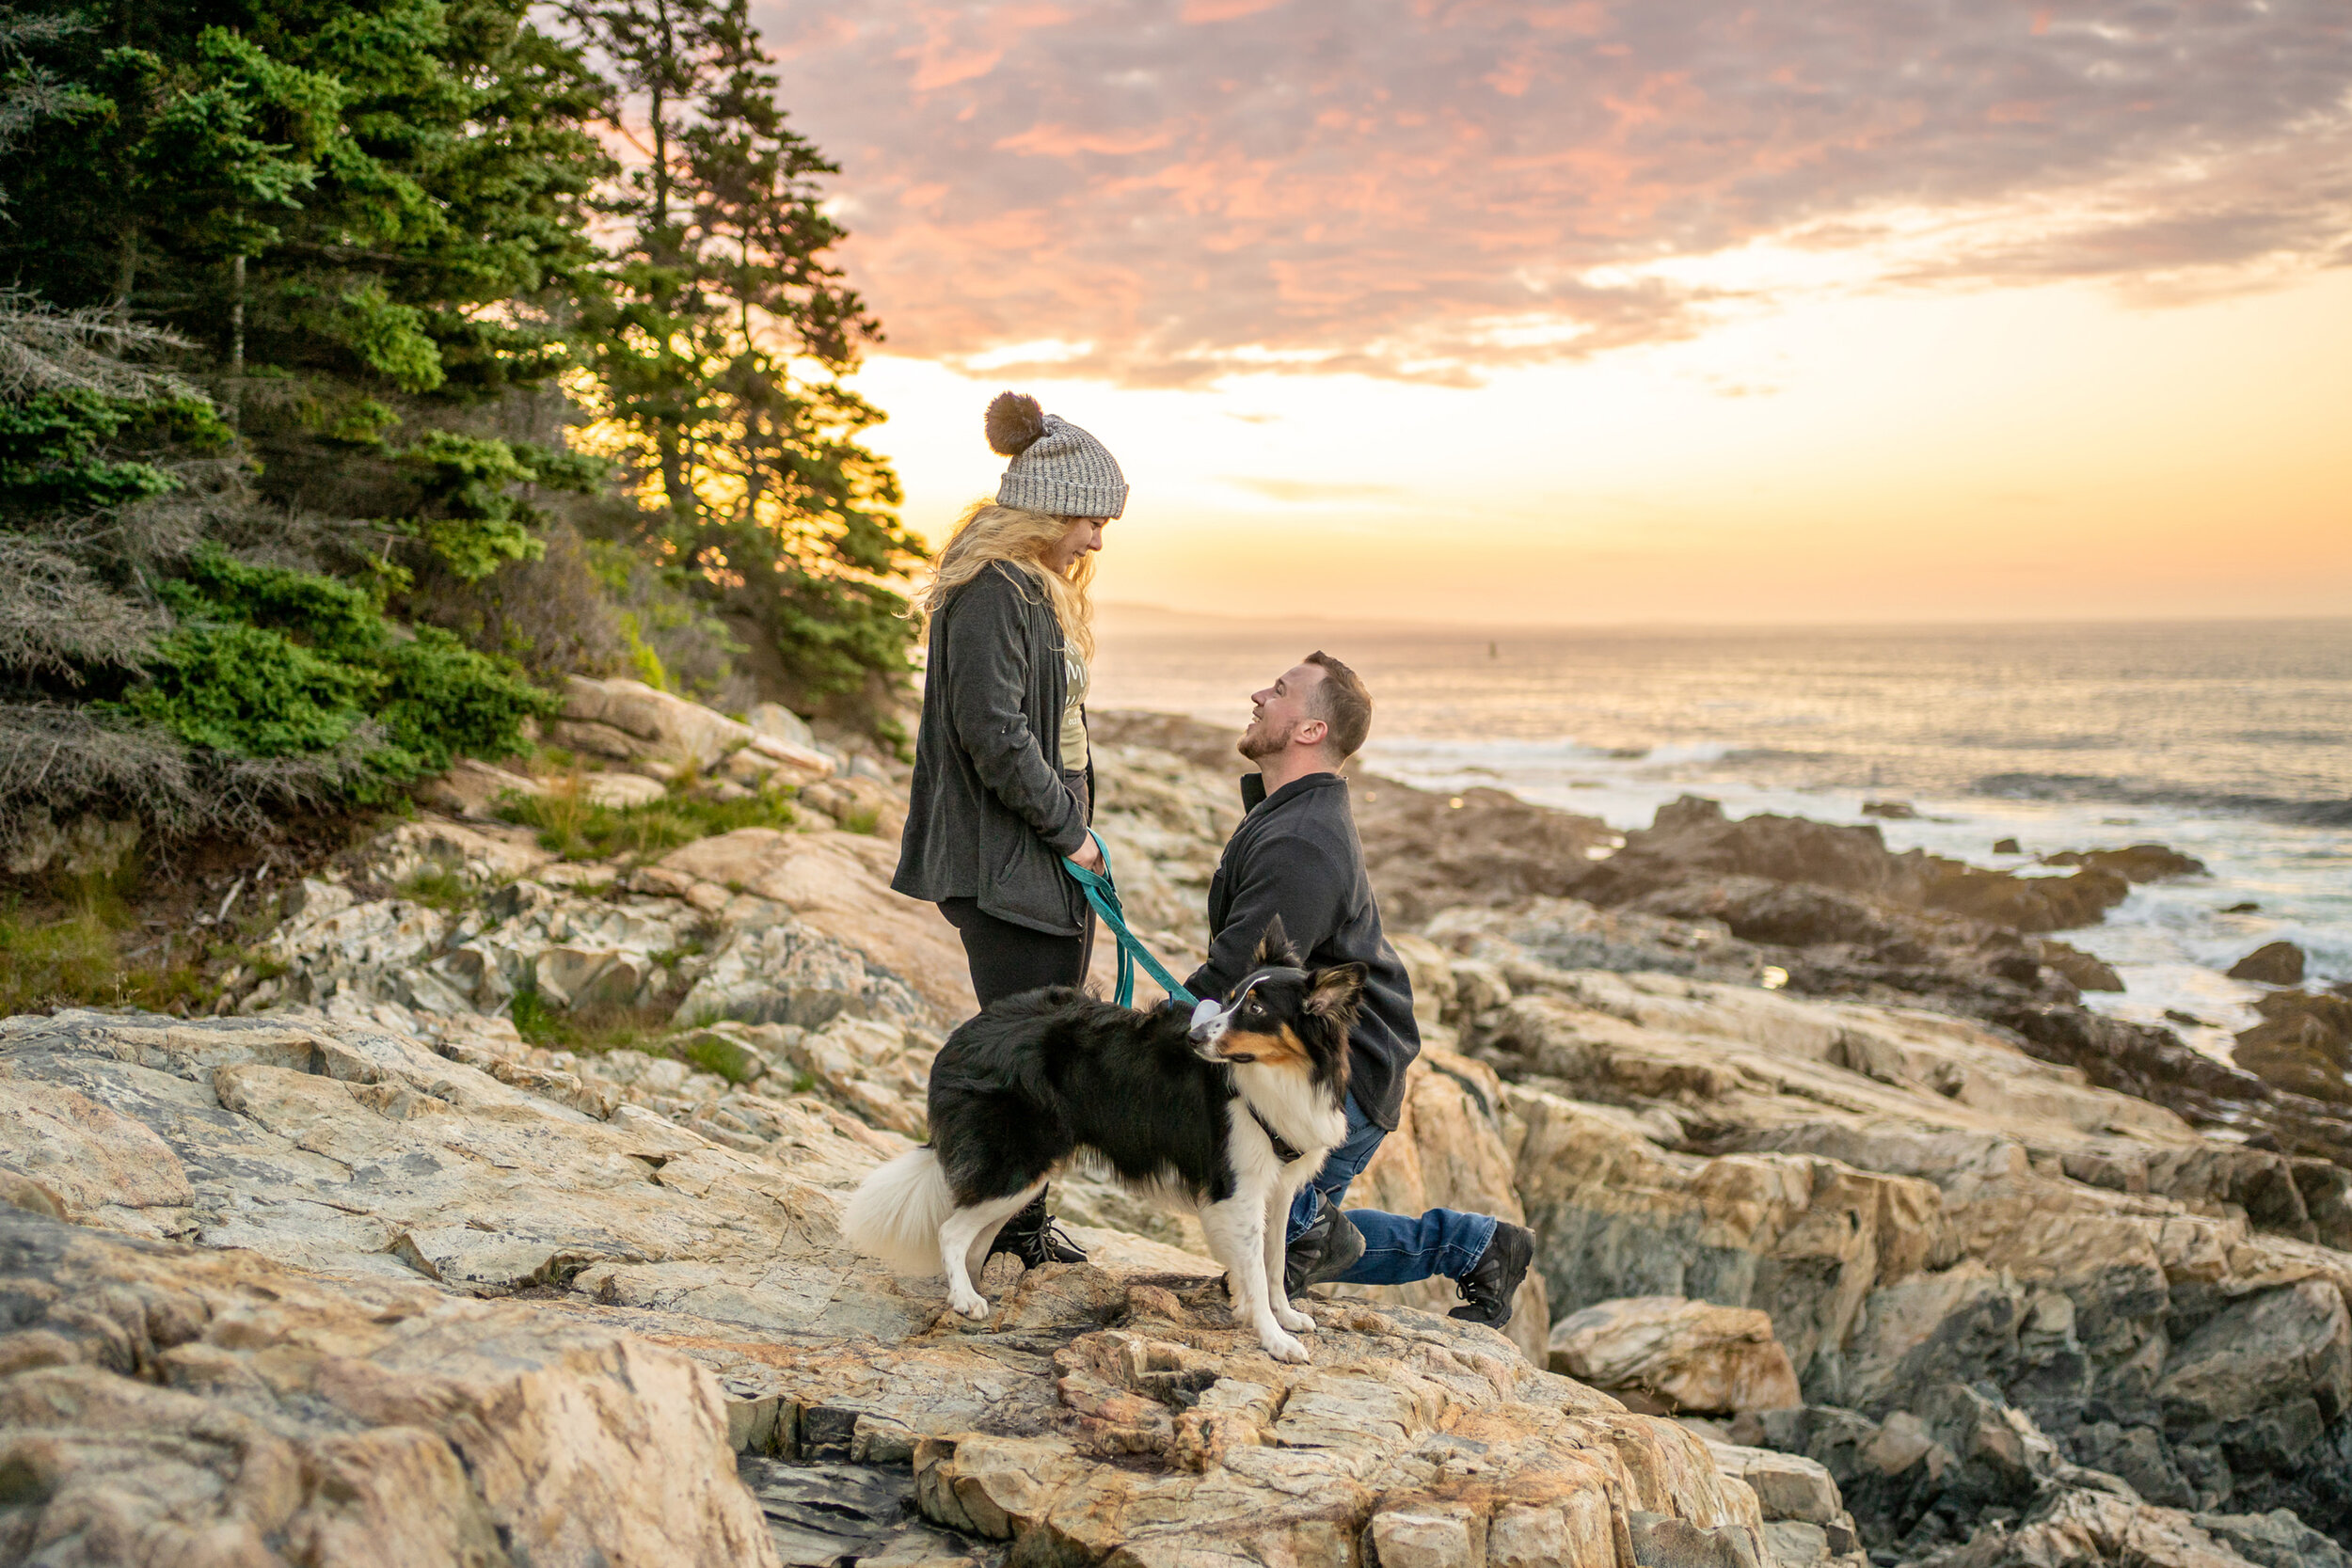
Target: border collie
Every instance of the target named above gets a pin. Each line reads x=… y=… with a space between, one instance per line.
x=1232 y=1111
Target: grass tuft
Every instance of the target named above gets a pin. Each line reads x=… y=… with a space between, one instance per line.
x=78 y=961
x=714 y=1055
x=438 y=887
x=537 y=1021
x=591 y=1031
x=573 y=826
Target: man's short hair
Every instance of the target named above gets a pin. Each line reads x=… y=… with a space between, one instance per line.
x=1341 y=701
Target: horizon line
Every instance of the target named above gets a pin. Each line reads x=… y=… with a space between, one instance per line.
x=1492 y=630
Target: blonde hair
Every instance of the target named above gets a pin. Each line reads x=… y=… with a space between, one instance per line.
x=987 y=534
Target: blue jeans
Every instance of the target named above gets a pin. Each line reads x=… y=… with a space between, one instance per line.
x=1442 y=1243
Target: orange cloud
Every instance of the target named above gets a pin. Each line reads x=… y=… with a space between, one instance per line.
x=1199 y=12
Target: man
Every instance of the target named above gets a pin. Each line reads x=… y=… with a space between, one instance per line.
x=1296 y=855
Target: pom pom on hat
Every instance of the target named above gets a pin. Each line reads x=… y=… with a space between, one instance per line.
x=1015 y=422
x=1055 y=466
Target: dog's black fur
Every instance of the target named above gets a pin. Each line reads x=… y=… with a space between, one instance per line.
x=1036 y=1077
x=1234 y=1110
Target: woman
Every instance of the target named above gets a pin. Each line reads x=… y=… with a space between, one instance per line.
x=1004 y=783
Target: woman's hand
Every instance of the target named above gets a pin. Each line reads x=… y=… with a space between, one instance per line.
x=1089 y=855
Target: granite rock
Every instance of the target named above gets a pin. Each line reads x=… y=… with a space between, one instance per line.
x=2303 y=1044
x=1694 y=836
x=2274 y=963
x=1679 y=1355
x=2139 y=862
x=164 y=1406
x=628 y=721
x=1111 y=1408
x=2052 y=1284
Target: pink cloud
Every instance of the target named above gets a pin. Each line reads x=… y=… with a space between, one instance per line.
x=946 y=70
x=1188 y=183
x=1059 y=141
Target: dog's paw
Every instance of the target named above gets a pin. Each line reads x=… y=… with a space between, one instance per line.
x=1294 y=1320
x=969 y=1303
x=1283 y=1348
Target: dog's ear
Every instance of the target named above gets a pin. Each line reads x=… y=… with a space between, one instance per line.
x=1274 y=948
x=1333 y=993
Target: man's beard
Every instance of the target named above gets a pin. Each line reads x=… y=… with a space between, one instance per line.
x=1257 y=743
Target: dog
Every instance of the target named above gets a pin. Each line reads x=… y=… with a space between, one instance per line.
x=1232 y=1110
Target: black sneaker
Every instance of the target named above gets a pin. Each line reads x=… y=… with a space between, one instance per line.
x=1326 y=1249
x=1036 y=1238
x=1494 y=1279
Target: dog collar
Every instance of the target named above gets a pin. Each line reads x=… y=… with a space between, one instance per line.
x=1282 y=1149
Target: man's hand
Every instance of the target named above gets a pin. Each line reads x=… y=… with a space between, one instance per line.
x=1089 y=855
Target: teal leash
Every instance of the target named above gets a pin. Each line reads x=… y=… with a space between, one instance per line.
x=1103 y=894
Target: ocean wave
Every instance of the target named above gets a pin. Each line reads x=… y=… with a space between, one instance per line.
x=2010 y=740
x=2092 y=786
x=2290 y=737
x=1515 y=755
x=1776 y=753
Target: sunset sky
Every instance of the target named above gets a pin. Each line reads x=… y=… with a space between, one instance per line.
x=1615 y=312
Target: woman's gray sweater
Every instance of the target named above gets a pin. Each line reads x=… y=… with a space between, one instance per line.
x=989 y=817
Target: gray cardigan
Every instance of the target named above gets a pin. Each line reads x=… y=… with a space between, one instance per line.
x=989 y=817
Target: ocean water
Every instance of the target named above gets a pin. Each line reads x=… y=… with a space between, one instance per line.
x=2232 y=741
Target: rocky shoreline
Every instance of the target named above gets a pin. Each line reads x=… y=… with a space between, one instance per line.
x=1861 y=1239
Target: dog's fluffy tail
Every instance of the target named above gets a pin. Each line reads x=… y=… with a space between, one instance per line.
x=896 y=1211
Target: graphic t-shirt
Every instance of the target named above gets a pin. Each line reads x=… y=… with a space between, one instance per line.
x=1074 y=724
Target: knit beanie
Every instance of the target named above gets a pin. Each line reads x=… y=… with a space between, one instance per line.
x=1055 y=466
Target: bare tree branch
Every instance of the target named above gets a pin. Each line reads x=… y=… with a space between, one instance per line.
x=43 y=349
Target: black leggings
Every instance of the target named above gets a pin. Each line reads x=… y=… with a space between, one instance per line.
x=1006 y=960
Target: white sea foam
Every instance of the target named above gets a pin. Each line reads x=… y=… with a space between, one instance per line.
x=2169 y=941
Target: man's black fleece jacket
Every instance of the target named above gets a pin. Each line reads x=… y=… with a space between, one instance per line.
x=1296 y=854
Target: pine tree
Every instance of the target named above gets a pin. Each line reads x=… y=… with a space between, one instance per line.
x=722 y=346
x=353 y=208
x=142 y=667
x=358 y=229
x=303 y=294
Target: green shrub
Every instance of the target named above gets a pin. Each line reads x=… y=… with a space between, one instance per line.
x=440 y=698
x=248 y=692
x=475 y=525
x=550 y=616
x=270 y=662
x=672 y=638
x=59 y=451
x=537 y=1021
x=767 y=809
